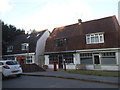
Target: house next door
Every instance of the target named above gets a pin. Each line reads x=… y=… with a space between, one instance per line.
x=60 y=63
x=96 y=61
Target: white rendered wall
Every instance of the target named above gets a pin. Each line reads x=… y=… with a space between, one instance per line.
x=89 y=67
x=46 y=59
x=112 y=68
x=68 y=66
x=76 y=58
x=118 y=59
x=51 y=66
x=103 y=67
x=40 y=47
x=72 y=66
x=33 y=58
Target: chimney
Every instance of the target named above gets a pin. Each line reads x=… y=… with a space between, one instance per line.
x=79 y=21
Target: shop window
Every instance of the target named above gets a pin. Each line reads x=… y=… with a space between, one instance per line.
x=68 y=58
x=86 y=58
x=53 y=58
x=108 y=58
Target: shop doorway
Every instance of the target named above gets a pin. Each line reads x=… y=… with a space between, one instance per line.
x=96 y=61
x=60 y=61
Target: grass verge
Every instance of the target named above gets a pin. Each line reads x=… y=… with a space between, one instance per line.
x=98 y=73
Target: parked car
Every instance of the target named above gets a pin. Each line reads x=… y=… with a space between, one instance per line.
x=10 y=67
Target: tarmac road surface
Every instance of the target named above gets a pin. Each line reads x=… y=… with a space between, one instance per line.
x=49 y=82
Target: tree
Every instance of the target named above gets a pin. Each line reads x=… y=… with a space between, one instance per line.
x=9 y=32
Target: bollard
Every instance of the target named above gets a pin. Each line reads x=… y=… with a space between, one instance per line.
x=55 y=67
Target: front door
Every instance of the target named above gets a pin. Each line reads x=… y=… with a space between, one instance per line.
x=96 y=60
x=60 y=58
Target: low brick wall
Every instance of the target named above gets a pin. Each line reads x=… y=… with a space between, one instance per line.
x=31 y=68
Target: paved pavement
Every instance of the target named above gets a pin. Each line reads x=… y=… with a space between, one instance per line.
x=66 y=75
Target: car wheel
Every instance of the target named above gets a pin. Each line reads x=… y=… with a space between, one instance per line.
x=18 y=75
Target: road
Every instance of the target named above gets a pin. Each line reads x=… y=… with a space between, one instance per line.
x=48 y=82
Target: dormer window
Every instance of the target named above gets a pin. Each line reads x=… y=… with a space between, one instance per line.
x=25 y=46
x=95 y=38
x=10 y=48
x=61 y=42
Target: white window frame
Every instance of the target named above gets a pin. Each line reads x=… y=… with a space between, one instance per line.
x=94 y=38
x=10 y=48
x=25 y=46
x=29 y=59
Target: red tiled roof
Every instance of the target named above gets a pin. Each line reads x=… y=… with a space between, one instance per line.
x=76 y=34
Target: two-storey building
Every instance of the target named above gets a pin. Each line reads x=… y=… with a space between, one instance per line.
x=94 y=44
x=28 y=48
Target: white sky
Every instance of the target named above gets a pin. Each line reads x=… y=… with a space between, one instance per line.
x=48 y=14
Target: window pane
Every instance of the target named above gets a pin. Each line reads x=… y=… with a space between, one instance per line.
x=108 y=60
x=86 y=61
x=88 y=35
x=96 y=39
x=92 y=39
x=106 y=54
x=101 y=38
x=88 y=40
x=86 y=58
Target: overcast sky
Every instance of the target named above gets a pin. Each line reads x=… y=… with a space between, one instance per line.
x=48 y=14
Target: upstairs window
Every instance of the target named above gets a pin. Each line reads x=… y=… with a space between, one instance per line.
x=95 y=38
x=9 y=48
x=61 y=42
x=24 y=46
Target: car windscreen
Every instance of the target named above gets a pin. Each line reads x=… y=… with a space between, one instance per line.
x=12 y=63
